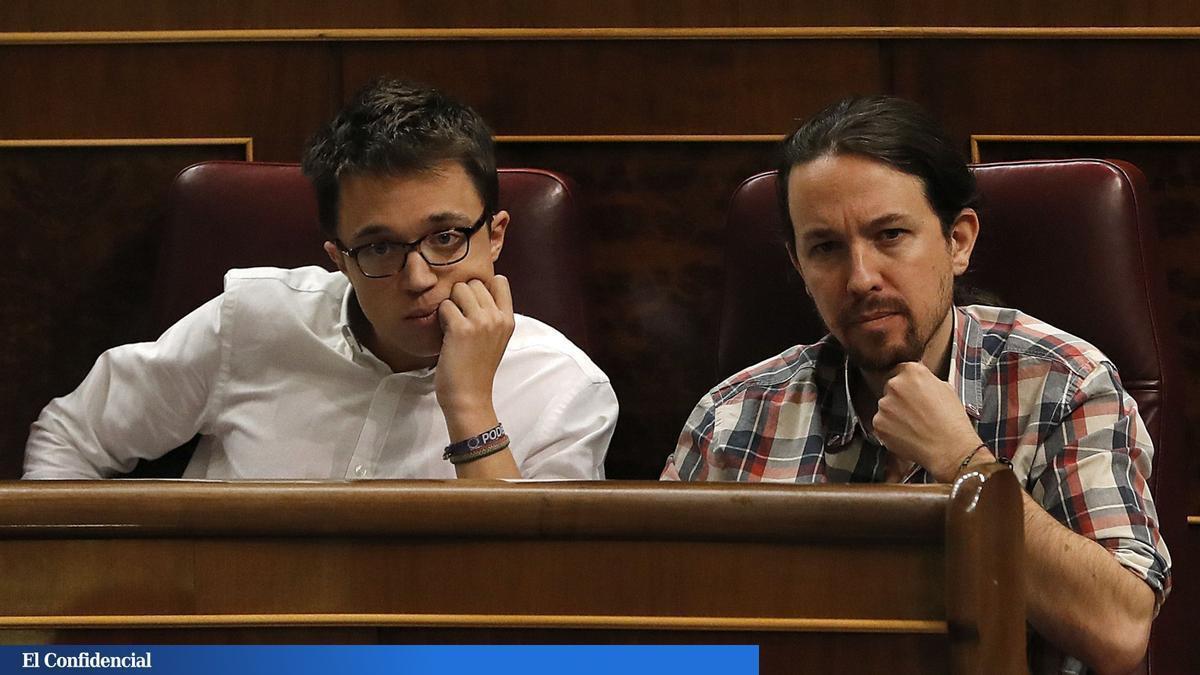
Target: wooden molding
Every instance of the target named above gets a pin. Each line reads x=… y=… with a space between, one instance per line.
x=246 y=142
x=608 y=33
x=642 y=138
x=976 y=139
x=684 y=623
x=514 y=138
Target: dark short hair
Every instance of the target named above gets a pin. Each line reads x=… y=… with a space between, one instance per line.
x=392 y=127
x=891 y=130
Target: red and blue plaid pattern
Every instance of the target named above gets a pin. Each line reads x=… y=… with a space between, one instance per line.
x=1049 y=402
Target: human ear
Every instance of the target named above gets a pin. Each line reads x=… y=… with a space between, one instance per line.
x=496 y=231
x=963 y=234
x=335 y=255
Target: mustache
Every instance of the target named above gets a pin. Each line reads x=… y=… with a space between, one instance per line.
x=868 y=307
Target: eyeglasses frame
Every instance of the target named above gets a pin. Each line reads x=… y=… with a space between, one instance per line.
x=415 y=245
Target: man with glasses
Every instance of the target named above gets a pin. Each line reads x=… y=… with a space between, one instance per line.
x=406 y=363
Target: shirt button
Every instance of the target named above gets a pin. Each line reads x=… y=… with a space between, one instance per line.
x=360 y=471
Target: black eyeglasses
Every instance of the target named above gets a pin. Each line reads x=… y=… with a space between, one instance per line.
x=384 y=258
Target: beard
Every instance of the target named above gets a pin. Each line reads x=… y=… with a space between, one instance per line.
x=881 y=352
x=873 y=353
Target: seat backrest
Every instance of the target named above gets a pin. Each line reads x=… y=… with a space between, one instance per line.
x=224 y=215
x=1068 y=241
x=1071 y=242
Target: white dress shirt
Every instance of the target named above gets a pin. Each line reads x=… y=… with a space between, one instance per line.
x=272 y=377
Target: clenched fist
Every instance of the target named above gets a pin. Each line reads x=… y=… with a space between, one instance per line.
x=921 y=419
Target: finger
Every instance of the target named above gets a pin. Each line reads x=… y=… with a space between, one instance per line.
x=879 y=427
x=464 y=296
x=483 y=295
x=450 y=316
x=919 y=368
x=501 y=293
x=896 y=381
x=909 y=369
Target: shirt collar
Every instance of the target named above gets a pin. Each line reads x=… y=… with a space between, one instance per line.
x=966 y=367
x=351 y=315
x=844 y=410
x=349 y=309
x=833 y=376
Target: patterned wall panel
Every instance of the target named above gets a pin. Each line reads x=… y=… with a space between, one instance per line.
x=656 y=216
x=82 y=226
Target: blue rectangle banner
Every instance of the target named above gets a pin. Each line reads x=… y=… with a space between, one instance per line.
x=389 y=659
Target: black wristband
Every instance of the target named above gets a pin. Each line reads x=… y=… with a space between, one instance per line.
x=493 y=436
x=480 y=453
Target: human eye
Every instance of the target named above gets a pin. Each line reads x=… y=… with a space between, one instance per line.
x=377 y=249
x=447 y=240
x=822 y=248
x=891 y=233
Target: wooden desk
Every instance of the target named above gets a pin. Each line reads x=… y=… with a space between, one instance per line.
x=824 y=578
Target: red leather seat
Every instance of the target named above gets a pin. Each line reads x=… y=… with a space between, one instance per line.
x=1071 y=242
x=223 y=215
x=249 y=214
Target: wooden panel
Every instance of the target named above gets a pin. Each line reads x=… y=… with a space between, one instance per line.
x=655 y=216
x=803 y=653
x=24 y=15
x=277 y=94
x=1043 y=87
x=247 y=635
x=605 y=509
x=548 y=87
x=1175 y=633
x=83 y=224
x=382 y=576
x=595 y=561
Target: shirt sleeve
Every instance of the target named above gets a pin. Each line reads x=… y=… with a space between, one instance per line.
x=573 y=434
x=138 y=402
x=690 y=461
x=1098 y=460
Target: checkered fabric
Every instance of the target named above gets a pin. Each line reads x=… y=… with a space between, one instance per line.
x=1049 y=402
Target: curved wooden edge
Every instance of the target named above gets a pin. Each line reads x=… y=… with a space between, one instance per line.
x=985 y=606
x=977 y=139
x=680 y=623
x=638 y=510
x=1193 y=521
x=640 y=138
x=601 y=33
x=119 y=142
x=246 y=142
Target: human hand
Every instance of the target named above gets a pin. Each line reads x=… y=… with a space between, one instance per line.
x=477 y=322
x=921 y=419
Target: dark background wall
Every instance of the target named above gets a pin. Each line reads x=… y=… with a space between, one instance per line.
x=658 y=110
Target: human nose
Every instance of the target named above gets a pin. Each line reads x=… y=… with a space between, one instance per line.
x=416 y=274
x=864 y=274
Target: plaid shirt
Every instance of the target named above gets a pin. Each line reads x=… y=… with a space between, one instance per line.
x=1049 y=402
